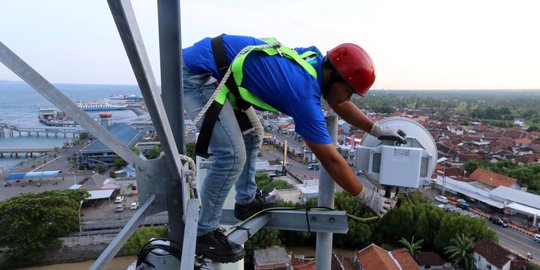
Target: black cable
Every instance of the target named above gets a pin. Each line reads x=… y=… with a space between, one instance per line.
x=245 y=229
x=172 y=249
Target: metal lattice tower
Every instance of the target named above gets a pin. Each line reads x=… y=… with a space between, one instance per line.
x=165 y=183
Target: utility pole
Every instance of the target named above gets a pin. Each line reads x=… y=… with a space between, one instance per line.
x=80 y=221
x=285 y=157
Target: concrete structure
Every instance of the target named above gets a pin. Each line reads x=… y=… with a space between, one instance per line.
x=271 y=258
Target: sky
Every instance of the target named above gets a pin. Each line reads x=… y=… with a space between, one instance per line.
x=415 y=44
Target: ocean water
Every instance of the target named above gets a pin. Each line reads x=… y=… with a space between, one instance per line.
x=20 y=104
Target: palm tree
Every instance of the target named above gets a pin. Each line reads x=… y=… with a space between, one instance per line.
x=412 y=247
x=460 y=251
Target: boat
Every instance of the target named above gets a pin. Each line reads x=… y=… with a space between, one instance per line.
x=101 y=106
x=125 y=97
x=52 y=117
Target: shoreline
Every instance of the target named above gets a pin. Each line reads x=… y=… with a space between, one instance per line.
x=20 y=165
x=36 y=163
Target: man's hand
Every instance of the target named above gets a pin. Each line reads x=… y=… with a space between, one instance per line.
x=374 y=201
x=386 y=133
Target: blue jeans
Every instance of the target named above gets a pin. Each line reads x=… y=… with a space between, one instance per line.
x=234 y=154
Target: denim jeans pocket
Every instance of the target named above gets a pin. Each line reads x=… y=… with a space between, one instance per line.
x=197 y=80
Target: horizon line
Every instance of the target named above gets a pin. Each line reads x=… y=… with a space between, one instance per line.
x=374 y=89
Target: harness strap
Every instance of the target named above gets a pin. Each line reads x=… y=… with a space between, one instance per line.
x=284 y=51
x=238 y=96
x=222 y=63
x=212 y=114
x=205 y=133
x=218 y=48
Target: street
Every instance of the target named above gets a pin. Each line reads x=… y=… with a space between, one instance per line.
x=66 y=179
x=516 y=242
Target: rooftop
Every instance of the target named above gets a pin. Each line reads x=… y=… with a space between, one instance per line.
x=126 y=134
x=492 y=252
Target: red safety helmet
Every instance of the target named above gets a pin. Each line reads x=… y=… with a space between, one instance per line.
x=354 y=65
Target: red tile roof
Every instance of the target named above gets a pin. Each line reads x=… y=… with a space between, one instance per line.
x=523 y=140
x=405 y=259
x=492 y=179
x=375 y=258
x=534 y=134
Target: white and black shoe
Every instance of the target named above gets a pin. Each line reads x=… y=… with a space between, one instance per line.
x=260 y=202
x=215 y=246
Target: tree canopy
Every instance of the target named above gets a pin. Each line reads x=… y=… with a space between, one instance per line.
x=32 y=222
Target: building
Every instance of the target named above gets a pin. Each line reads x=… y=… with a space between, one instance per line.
x=374 y=257
x=518 y=201
x=98 y=153
x=275 y=258
x=429 y=260
x=488 y=255
x=493 y=180
x=504 y=199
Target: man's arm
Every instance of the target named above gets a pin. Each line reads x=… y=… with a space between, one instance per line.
x=344 y=176
x=353 y=115
x=337 y=167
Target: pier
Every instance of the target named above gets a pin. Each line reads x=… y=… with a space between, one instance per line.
x=12 y=131
x=28 y=152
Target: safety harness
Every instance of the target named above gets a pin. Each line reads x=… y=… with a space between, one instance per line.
x=231 y=87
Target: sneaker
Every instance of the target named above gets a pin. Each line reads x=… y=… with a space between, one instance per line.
x=260 y=202
x=215 y=246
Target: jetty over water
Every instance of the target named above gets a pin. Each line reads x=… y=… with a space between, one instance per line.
x=28 y=152
x=12 y=131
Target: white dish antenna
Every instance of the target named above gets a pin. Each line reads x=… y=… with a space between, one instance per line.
x=389 y=164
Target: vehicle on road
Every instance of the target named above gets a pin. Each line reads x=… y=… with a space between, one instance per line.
x=134 y=206
x=314 y=166
x=120 y=208
x=498 y=221
x=119 y=199
x=536 y=238
x=463 y=205
x=442 y=199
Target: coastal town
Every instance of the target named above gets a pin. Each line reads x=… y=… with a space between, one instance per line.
x=87 y=164
x=296 y=135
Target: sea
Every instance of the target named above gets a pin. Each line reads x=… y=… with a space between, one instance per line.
x=20 y=105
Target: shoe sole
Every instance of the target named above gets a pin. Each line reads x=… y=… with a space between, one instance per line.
x=223 y=259
x=245 y=216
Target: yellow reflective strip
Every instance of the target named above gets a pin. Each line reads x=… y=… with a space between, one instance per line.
x=307 y=54
x=236 y=67
x=294 y=55
x=269 y=40
x=238 y=73
x=255 y=100
x=220 y=98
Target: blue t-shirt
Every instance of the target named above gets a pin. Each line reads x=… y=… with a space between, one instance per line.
x=278 y=81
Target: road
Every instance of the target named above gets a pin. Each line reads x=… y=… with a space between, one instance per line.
x=516 y=241
x=291 y=142
x=295 y=167
x=46 y=163
x=513 y=240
